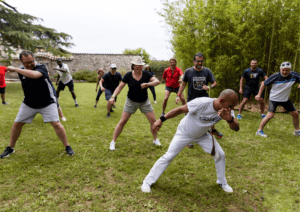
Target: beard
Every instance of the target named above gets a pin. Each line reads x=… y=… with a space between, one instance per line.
x=199 y=67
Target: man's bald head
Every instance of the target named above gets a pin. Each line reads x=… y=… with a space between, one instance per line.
x=228 y=95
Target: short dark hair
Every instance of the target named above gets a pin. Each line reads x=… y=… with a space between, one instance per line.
x=173 y=59
x=132 y=65
x=254 y=60
x=25 y=53
x=199 y=54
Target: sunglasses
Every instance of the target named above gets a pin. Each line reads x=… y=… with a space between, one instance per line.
x=285 y=64
x=199 y=61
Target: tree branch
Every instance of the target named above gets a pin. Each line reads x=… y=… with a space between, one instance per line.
x=9 y=6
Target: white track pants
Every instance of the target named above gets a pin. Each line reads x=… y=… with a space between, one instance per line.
x=179 y=142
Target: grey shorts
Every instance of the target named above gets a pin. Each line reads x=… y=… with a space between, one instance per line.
x=26 y=114
x=131 y=107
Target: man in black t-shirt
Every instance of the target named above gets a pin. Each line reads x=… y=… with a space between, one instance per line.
x=252 y=76
x=39 y=98
x=109 y=82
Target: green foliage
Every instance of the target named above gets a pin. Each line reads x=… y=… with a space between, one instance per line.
x=19 y=30
x=158 y=67
x=141 y=52
x=232 y=33
x=86 y=75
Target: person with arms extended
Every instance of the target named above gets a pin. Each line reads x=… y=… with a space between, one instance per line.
x=99 y=77
x=152 y=89
x=282 y=83
x=137 y=98
x=109 y=82
x=202 y=113
x=252 y=76
x=66 y=79
x=39 y=98
x=173 y=76
x=3 y=70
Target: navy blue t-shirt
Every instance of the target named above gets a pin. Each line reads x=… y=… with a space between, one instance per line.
x=38 y=92
x=253 y=77
x=136 y=93
x=111 y=82
x=196 y=80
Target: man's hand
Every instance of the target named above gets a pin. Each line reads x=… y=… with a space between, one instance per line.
x=96 y=89
x=103 y=89
x=111 y=101
x=157 y=125
x=241 y=90
x=11 y=69
x=144 y=85
x=257 y=97
x=205 y=87
x=225 y=114
x=177 y=100
x=298 y=86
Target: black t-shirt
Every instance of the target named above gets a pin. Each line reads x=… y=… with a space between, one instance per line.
x=111 y=82
x=39 y=92
x=136 y=93
x=253 y=77
x=196 y=80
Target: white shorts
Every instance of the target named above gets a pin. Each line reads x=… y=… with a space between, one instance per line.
x=26 y=114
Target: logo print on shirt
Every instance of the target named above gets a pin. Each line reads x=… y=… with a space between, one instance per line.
x=252 y=76
x=198 y=82
x=24 y=77
x=215 y=120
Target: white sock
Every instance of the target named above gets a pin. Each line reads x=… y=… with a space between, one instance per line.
x=75 y=101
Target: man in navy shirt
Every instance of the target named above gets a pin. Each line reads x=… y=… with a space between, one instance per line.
x=252 y=76
x=282 y=83
x=109 y=82
x=39 y=98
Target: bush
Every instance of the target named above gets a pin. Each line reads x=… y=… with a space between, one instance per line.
x=86 y=75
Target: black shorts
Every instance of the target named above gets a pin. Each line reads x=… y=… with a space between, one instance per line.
x=288 y=105
x=108 y=94
x=175 y=90
x=61 y=86
x=248 y=91
x=2 y=90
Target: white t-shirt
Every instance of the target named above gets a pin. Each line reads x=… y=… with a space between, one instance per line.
x=200 y=118
x=65 y=77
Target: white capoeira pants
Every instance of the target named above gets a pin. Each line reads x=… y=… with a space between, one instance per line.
x=180 y=140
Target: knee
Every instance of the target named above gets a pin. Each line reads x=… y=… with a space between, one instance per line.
x=168 y=157
x=123 y=122
x=56 y=124
x=166 y=99
x=221 y=154
x=295 y=114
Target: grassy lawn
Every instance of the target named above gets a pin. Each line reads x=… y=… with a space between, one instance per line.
x=263 y=172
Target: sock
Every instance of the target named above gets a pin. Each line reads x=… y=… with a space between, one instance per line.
x=75 y=101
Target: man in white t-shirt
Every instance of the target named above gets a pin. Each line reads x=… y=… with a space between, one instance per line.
x=65 y=80
x=202 y=113
x=282 y=83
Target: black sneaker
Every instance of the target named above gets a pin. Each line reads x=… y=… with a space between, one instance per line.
x=5 y=103
x=114 y=106
x=108 y=115
x=190 y=146
x=217 y=133
x=95 y=106
x=69 y=150
x=111 y=110
x=7 y=152
x=76 y=105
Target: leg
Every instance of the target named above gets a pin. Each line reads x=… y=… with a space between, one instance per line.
x=57 y=93
x=98 y=96
x=3 y=97
x=164 y=105
x=119 y=128
x=295 y=116
x=268 y=117
x=242 y=104
x=152 y=89
x=15 y=133
x=60 y=132
x=73 y=95
x=151 y=118
x=262 y=105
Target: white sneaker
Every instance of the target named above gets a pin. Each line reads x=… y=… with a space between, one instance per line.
x=227 y=188
x=155 y=102
x=145 y=188
x=63 y=119
x=156 y=142
x=261 y=133
x=112 y=145
x=297 y=133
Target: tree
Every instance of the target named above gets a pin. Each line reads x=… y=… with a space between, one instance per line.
x=140 y=51
x=19 y=30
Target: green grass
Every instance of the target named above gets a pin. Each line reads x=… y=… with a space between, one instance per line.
x=263 y=172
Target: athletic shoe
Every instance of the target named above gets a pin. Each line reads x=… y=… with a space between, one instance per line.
x=5 y=103
x=108 y=115
x=7 y=152
x=217 y=133
x=95 y=106
x=76 y=105
x=64 y=119
x=112 y=111
x=261 y=133
x=155 y=102
x=262 y=116
x=226 y=187
x=239 y=116
x=190 y=146
x=114 y=106
x=156 y=142
x=112 y=145
x=145 y=188
x=162 y=114
x=69 y=151
x=297 y=133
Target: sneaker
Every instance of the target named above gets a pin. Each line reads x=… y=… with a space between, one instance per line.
x=108 y=115
x=95 y=106
x=145 y=188
x=5 y=103
x=76 y=105
x=217 y=133
x=112 y=111
x=239 y=116
x=162 y=114
x=155 y=102
x=262 y=116
x=261 y=133
x=297 y=133
x=226 y=188
x=156 y=142
x=69 y=150
x=114 y=106
x=190 y=146
x=112 y=145
x=64 y=119
x=7 y=152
